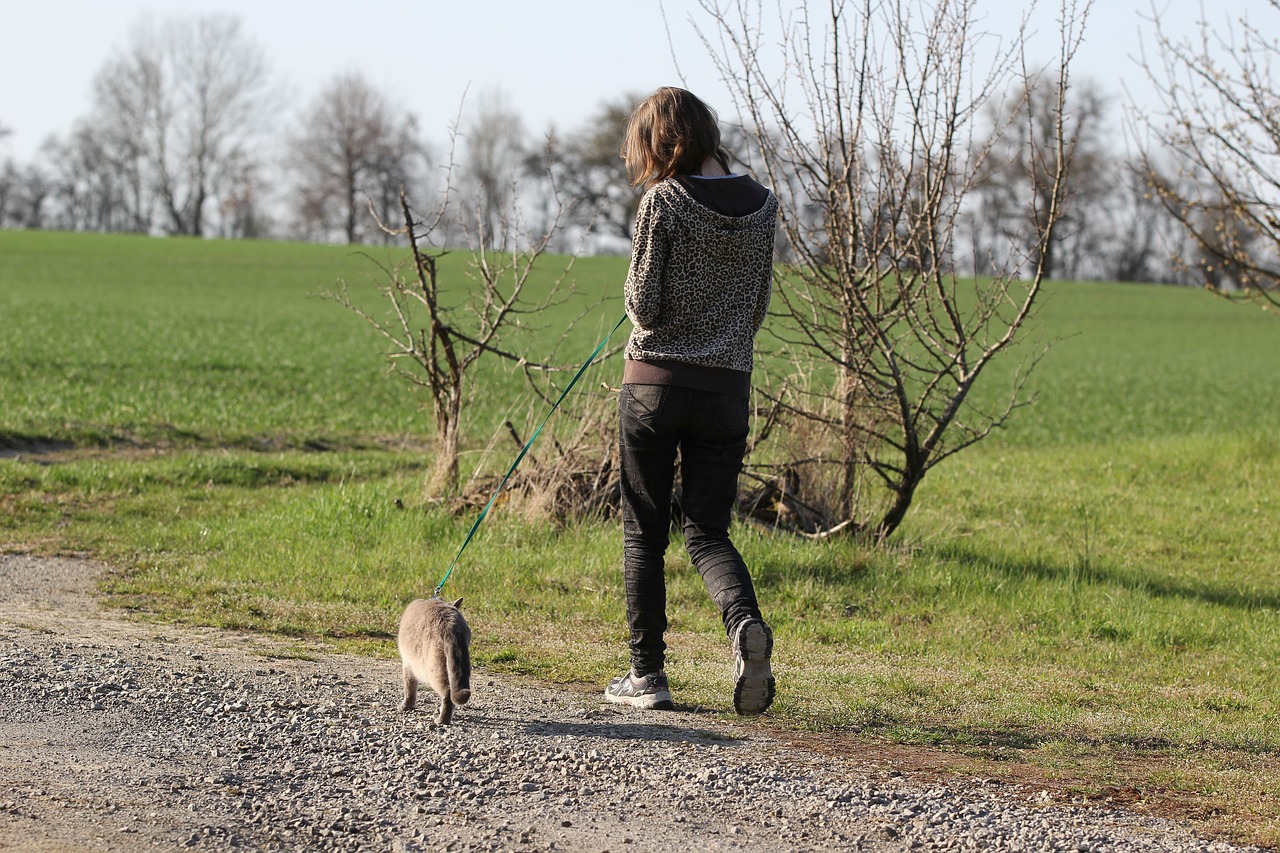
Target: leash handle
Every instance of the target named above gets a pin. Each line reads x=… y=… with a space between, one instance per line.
x=523 y=451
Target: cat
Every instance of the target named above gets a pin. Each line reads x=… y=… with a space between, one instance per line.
x=435 y=647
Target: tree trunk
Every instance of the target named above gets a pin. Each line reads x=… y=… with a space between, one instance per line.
x=846 y=504
x=897 y=510
x=444 y=472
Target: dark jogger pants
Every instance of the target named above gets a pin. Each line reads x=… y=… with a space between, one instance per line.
x=709 y=431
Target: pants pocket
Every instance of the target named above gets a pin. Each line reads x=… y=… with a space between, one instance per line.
x=644 y=402
x=732 y=417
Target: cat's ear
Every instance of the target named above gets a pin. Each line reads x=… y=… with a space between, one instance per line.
x=458 y=604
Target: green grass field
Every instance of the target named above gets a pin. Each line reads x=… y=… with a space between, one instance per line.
x=1093 y=592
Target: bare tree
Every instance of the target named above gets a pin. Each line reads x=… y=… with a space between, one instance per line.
x=25 y=196
x=9 y=179
x=867 y=124
x=401 y=163
x=186 y=99
x=1024 y=126
x=440 y=324
x=1219 y=124
x=1133 y=237
x=353 y=146
x=242 y=209
x=89 y=189
x=100 y=154
x=494 y=148
x=84 y=198
x=586 y=164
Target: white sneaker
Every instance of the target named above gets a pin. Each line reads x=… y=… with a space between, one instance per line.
x=650 y=692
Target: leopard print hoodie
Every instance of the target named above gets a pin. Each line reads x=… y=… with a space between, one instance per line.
x=699 y=282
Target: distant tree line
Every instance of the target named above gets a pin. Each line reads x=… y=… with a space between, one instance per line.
x=189 y=135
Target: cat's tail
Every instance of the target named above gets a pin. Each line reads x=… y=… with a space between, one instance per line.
x=458 y=664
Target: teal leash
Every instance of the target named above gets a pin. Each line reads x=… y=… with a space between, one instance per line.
x=524 y=450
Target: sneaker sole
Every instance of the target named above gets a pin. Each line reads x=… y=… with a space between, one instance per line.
x=755 y=686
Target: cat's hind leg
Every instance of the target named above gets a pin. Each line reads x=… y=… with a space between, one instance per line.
x=410 y=689
x=446 y=709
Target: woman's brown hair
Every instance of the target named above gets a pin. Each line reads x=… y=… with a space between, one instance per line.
x=672 y=132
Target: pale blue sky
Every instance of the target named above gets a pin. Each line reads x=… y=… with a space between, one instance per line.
x=556 y=59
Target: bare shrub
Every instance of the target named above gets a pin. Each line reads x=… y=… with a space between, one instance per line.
x=571 y=474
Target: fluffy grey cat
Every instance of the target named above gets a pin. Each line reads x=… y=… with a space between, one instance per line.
x=435 y=647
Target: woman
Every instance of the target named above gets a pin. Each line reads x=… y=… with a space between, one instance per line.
x=697 y=292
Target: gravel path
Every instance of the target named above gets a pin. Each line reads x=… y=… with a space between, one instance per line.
x=119 y=735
